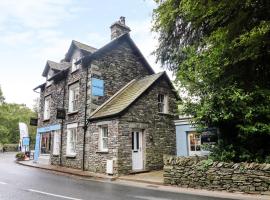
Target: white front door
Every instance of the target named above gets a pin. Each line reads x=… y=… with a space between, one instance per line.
x=194 y=144
x=137 y=151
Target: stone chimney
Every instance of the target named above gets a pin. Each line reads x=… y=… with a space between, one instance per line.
x=119 y=28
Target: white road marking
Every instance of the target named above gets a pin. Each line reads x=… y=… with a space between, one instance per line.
x=54 y=195
x=3 y=183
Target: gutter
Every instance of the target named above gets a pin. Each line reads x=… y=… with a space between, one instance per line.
x=62 y=126
x=85 y=118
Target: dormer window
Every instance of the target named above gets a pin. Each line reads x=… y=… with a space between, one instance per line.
x=74 y=67
x=48 y=83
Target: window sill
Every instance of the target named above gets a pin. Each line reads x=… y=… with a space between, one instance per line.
x=73 y=112
x=168 y=114
x=46 y=120
x=55 y=155
x=103 y=152
x=71 y=156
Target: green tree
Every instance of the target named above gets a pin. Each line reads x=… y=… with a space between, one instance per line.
x=10 y=116
x=2 y=98
x=219 y=51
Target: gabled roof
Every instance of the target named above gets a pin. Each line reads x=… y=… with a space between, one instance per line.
x=54 y=66
x=78 y=45
x=41 y=86
x=110 y=46
x=84 y=46
x=125 y=97
x=59 y=75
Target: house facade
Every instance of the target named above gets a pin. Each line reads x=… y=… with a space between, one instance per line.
x=105 y=110
x=190 y=142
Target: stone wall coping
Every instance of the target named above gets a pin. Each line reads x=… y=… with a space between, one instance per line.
x=196 y=160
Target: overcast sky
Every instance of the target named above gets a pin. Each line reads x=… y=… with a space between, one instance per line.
x=33 y=31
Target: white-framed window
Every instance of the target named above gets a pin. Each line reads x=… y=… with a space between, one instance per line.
x=56 y=142
x=71 y=139
x=163 y=103
x=47 y=102
x=48 y=83
x=73 y=103
x=103 y=138
x=74 y=67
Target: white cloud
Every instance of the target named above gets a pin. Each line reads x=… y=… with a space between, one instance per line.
x=34 y=13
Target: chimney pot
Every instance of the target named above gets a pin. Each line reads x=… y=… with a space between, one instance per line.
x=119 y=28
x=122 y=20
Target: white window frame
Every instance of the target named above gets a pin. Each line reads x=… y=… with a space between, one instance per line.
x=163 y=104
x=48 y=83
x=103 y=139
x=74 y=67
x=47 y=110
x=71 y=139
x=74 y=93
x=56 y=142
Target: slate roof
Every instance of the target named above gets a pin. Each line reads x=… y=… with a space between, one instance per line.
x=110 y=46
x=40 y=86
x=75 y=44
x=55 y=66
x=123 y=98
x=83 y=46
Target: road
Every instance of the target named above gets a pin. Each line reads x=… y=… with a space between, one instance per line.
x=25 y=183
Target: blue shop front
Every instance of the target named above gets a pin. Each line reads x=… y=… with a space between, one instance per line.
x=189 y=142
x=43 y=140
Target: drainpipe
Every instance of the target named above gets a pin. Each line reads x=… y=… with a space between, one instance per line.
x=85 y=118
x=62 y=125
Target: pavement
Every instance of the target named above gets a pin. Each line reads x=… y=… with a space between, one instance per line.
x=70 y=171
x=23 y=182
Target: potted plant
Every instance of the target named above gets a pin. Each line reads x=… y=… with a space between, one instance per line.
x=20 y=156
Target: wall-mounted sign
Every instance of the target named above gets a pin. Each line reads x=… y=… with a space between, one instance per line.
x=61 y=113
x=209 y=137
x=97 y=87
x=33 y=121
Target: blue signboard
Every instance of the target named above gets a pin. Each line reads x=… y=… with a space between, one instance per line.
x=97 y=87
x=26 y=141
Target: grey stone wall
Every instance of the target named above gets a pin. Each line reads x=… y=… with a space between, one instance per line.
x=56 y=92
x=196 y=172
x=158 y=129
x=96 y=159
x=117 y=68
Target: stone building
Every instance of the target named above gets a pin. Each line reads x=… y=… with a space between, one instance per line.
x=105 y=110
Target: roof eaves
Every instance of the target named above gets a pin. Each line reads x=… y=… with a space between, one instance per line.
x=59 y=74
x=39 y=86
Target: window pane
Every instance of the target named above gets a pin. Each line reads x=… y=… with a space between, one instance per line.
x=105 y=143
x=104 y=132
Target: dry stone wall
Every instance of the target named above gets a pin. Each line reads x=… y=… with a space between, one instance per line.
x=198 y=172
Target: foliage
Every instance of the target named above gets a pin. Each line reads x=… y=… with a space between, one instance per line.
x=11 y=147
x=205 y=164
x=20 y=156
x=2 y=98
x=219 y=51
x=10 y=116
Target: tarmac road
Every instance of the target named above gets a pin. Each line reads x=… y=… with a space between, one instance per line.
x=25 y=183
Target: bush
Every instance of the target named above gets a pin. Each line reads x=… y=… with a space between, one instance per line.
x=11 y=147
x=20 y=156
